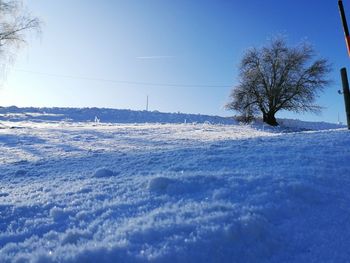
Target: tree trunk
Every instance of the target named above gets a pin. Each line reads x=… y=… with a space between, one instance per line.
x=270 y=118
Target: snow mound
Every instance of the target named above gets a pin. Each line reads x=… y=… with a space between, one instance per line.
x=160 y=184
x=104 y=172
x=58 y=214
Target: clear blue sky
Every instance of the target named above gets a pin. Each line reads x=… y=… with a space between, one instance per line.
x=164 y=42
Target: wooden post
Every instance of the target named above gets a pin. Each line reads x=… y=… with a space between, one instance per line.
x=346 y=93
x=345 y=25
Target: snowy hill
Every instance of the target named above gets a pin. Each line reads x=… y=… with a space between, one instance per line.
x=107 y=192
x=15 y=114
x=104 y=115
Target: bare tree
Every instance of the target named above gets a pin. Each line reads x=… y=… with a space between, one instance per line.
x=277 y=77
x=15 y=22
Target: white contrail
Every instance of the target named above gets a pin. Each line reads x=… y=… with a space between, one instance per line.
x=154 y=57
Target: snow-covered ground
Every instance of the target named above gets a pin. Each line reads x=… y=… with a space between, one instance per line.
x=107 y=192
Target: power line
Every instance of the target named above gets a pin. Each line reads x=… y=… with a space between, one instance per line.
x=122 y=81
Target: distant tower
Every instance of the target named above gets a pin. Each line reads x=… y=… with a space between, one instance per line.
x=147 y=103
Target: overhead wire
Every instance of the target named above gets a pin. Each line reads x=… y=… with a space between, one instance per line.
x=122 y=81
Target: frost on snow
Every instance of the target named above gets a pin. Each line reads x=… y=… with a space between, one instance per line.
x=80 y=192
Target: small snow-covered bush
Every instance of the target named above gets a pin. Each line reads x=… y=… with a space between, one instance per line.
x=246 y=119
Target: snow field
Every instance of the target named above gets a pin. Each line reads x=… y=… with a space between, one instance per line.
x=73 y=192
